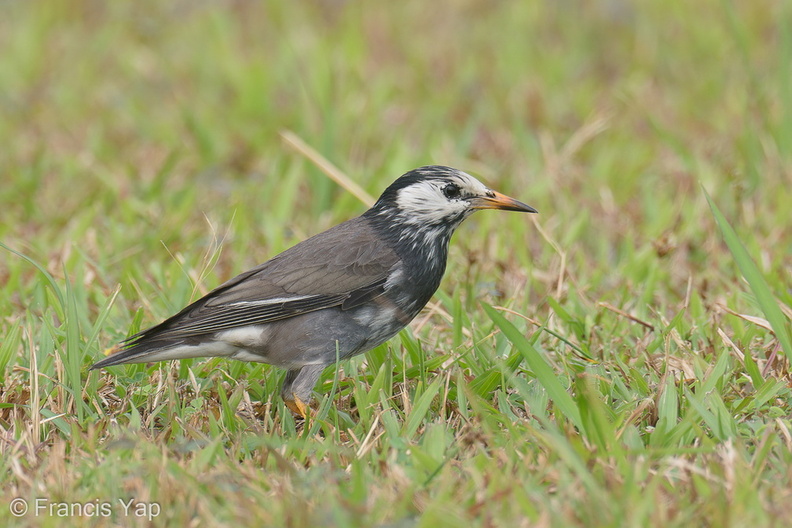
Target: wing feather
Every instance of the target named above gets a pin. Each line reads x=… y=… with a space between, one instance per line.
x=344 y=267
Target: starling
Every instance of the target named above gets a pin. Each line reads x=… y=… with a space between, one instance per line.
x=337 y=294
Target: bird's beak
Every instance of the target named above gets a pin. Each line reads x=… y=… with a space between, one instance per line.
x=496 y=200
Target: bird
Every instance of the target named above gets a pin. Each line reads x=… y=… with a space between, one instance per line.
x=332 y=296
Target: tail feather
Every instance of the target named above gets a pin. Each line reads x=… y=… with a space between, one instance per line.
x=134 y=353
x=164 y=350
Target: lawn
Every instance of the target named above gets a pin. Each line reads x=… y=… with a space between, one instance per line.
x=620 y=359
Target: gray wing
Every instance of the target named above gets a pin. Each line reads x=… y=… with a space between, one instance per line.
x=344 y=267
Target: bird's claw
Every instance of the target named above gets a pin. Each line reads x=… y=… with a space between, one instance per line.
x=297 y=406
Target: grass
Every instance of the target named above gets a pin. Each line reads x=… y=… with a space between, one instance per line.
x=620 y=361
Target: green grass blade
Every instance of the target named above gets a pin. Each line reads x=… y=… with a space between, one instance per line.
x=50 y=279
x=756 y=281
x=543 y=371
x=421 y=408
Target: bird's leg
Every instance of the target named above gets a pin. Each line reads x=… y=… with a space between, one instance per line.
x=298 y=386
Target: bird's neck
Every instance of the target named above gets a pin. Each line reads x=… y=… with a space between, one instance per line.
x=422 y=247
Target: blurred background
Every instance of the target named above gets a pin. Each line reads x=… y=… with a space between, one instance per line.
x=604 y=114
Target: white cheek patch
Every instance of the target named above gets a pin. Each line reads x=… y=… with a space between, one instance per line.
x=424 y=203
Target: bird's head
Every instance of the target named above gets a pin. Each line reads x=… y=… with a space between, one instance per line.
x=440 y=196
x=422 y=208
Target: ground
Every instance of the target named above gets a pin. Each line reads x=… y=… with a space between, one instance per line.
x=619 y=359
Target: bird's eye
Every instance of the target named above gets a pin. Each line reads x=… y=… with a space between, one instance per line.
x=451 y=191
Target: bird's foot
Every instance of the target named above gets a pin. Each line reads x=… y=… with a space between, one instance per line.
x=297 y=406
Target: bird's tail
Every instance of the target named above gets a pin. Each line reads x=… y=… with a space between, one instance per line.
x=132 y=353
x=152 y=351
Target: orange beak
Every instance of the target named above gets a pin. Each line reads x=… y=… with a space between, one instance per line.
x=496 y=200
